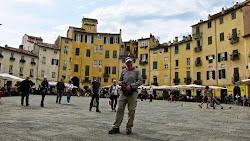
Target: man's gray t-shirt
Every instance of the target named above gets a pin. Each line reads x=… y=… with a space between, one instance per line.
x=132 y=77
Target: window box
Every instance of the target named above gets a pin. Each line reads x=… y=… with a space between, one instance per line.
x=12 y=58
x=33 y=63
x=176 y=80
x=22 y=61
x=198 y=82
x=21 y=74
x=154 y=83
x=235 y=56
x=31 y=76
x=198 y=63
x=198 y=49
x=187 y=80
x=87 y=81
x=197 y=35
x=143 y=62
x=143 y=46
x=105 y=75
x=144 y=76
x=10 y=73
x=234 y=39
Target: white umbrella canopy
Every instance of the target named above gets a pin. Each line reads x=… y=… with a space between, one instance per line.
x=246 y=81
x=196 y=87
x=216 y=87
x=54 y=84
x=147 y=87
x=7 y=76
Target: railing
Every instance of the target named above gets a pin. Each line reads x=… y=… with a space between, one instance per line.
x=176 y=81
x=12 y=58
x=198 y=82
x=187 y=80
x=198 y=49
x=235 y=56
x=142 y=62
x=234 y=39
x=197 y=35
x=33 y=63
x=198 y=63
x=22 y=61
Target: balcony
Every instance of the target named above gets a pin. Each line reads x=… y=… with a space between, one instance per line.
x=22 y=61
x=234 y=39
x=235 y=56
x=198 y=82
x=10 y=73
x=198 y=49
x=144 y=76
x=31 y=75
x=105 y=75
x=198 y=63
x=143 y=62
x=154 y=83
x=33 y=63
x=12 y=58
x=1 y=56
x=197 y=35
x=21 y=74
x=176 y=80
x=143 y=46
x=187 y=80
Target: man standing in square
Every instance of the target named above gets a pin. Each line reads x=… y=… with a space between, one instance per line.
x=130 y=80
x=60 y=86
x=95 y=92
x=25 y=86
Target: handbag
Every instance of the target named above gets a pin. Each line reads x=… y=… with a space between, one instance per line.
x=68 y=90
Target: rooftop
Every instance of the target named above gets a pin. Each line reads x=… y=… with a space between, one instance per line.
x=18 y=50
x=47 y=45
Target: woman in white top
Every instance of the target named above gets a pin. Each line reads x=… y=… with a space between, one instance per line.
x=113 y=95
x=69 y=91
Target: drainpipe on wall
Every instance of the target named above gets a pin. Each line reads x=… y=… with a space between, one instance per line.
x=216 y=67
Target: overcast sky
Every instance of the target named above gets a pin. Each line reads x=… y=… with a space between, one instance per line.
x=48 y=19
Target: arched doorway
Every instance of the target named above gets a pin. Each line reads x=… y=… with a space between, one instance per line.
x=236 y=91
x=75 y=81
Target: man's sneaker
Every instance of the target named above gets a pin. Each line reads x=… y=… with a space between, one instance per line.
x=114 y=131
x=98 y=111
x=68 y=103
x=89 y=109
x=129 y=131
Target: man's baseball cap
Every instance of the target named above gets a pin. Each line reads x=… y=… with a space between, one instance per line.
x=128 y=59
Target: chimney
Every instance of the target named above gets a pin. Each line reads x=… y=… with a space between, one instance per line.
x=21 y=47
x=222 y=10
x=209 y=16
x=150 y=35
x=189 y=37
x=176 y=39
x=184 y=38
x=6 y=45
x=169 y=42
x=201 y=21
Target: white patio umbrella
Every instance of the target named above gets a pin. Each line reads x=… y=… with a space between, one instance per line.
x=7 y=76
x=216 y=87
x=246 y=81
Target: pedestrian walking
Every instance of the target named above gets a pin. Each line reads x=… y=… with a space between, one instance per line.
x=25 y=86
x=145 y=95
x=130 y=80
x=142 y=93
x=44 y=87
x=69 y=91
x=206 y=97
x=113 y=95
x=60 y=86
x=95 y=92
x=151 y=91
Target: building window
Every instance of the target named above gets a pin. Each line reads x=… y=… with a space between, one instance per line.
x=31 y=72
x=89 y=39
x=188 y=46
x=210 y=40
x=134 y=60
x=165 y=58
x=100 y=63
x=66 y=41
x=12 y=55
x=66 y=49
x=176 y=63
x=221 y=20
x=55 y=52
x=210 y=58
x=160 y=51
x=222 y=74
x=127 y=48
x=88 y=53
x=44 y=60
x=233 y=15
x=176 y=75
x=176 y=50
x=114 y=54
x=10 y=69
x=77 y=51
x=155 y=65
x=166 y=66
x=89 y=28
x=99 y=36
x=222 y=36
x=143 y=72
x=107 y=54
x=21 y=70
x=54 y=62
x=44 y=49
x=135 y=49
x=198 y=75
x=198 y=43
x=76 y=68
x=106 y=80
x=96 y=48
x=116 y=40
x=64 y=77
x=144 y=43
x=166 y=49
x=86 y=70
x=155 y=51
x=188 y=61
x=166 y=78
x=78 y=37
x=222 y=56
x=42 y=73
x=64 y=65
x=155 y=79
x=113 y=70
x=95 y=63
x=188 y=74
x=106 y=40
x=101 y=48
x=210 y=75
x=234 y=32
x=22 y=57
x=107 y=70
x=53 y=74
x=209 y=24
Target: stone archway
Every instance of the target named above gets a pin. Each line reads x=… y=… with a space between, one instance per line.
x=237 y=91
x=75 y=81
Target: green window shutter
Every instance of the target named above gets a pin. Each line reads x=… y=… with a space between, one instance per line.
x=85 y=38
x=92 y=39
x=104 y=40
x=81 y=37
x=225 y=56
x=223 y=73
x=75 y=36
x=219 y=74
x=207 y=75
x=213 y=74
x=218 y=57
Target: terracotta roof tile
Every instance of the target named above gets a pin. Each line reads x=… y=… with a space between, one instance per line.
x=47 y=45
x=19 y=50
x=33 y=37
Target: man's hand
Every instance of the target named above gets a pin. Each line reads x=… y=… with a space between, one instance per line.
x=128 y=88
x=120 y=82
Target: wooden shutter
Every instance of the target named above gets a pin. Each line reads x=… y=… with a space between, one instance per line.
x=218 y=57
x=146 y=57
x=223 y=73
x=207 y=75
x=213 y=74
x=141 y=57
x=111 y=40
x=213 y=56
x=75 y=36
x=52 y=61
x=225 y=56
x=92 y=39
x=81 y=37
x=104 y=40
x=57 y=62
x=219 y=74
x=118 y=40
x=206 y=57
x=86 y=38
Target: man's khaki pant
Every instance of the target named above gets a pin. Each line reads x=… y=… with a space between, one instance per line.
x=122 y=102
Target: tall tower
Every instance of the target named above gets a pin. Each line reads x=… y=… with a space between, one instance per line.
x=89 y=25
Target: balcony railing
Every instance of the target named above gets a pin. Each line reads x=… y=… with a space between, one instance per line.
x=31 y=75
x=33 y=63
x=176 y=80
x=198 y=49
x=198 y=63
x=144 y=76
x=21 y=74
x=105 y=75
x=198 y=82
x=235 y=56
x=154 y=83
x=22 y=61
x=12 y=58
x=197 y=35
x=143 y=62
x=143 y=46
x=187 y=80
x=234 y=39
x=86 y=81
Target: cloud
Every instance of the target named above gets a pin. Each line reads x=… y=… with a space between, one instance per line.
x=80 y=7
x=41 y=2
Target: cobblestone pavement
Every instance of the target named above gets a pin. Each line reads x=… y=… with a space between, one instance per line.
x=159 y=120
